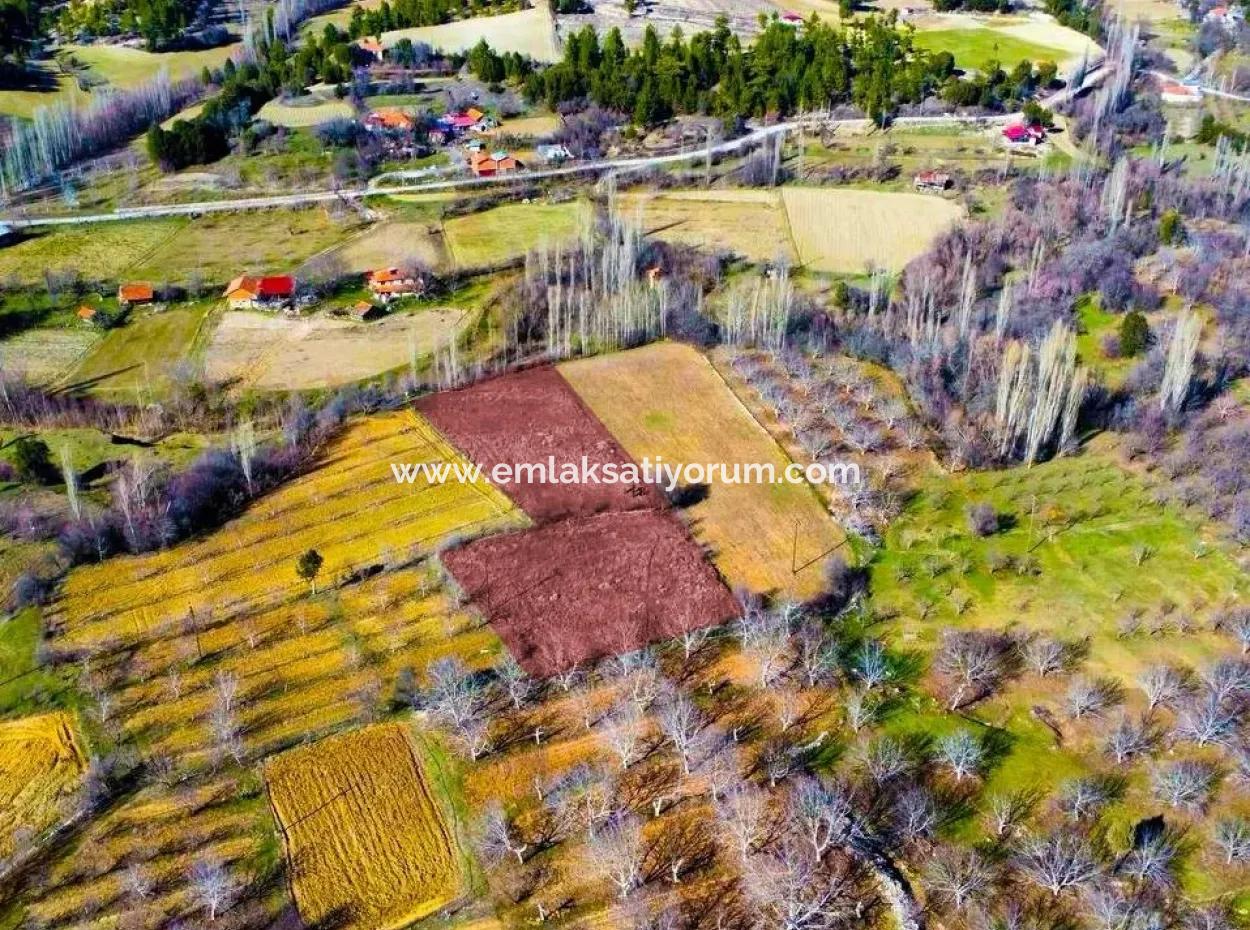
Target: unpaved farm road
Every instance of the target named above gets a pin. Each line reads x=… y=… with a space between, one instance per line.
x=752 y=138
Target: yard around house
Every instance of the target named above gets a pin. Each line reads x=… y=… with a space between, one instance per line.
x=666 y=400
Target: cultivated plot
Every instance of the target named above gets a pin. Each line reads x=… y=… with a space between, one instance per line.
x=585 y=588
x=41 y=356
x=304 y=112
x=367 y=842
x=502 y=234
x=138 y=360
x=41 y=765
x=666 y=400
x=751 y=224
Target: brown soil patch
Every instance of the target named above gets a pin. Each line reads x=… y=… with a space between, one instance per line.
x=584 y=588
x=533 y=417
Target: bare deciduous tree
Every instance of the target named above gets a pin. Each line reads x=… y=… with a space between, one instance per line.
x=616 y=852
x=1186 y=783
x=962 y=753
x=1057 y=861
x=211 y=885
x=957 y=875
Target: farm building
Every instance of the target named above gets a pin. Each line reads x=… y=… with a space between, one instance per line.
x=135 y=292
x=387 y=284
x=1018 y=134
x=371 y=47
x=389 y=121
x=87 y=314
x=458 y=122
x=487 y=166
x=932 y=181
x=1179 y=95
x=363 y=310
x=268 y=293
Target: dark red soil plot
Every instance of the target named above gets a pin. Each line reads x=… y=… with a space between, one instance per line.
x=581 y=589
x=525 y=418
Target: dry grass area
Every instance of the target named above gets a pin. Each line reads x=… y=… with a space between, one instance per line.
x=527 y=32
x=845 y=230
x=667 y=400
x=367 y=843
x=305 y=112
x=41 y=765
x=43 y=355
x=538 y=126
x=279 y=353
x=484 y=240
x=393 y=243
x=975 y=40
x=749 y=223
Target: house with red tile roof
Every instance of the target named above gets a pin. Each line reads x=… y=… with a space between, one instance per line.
x=135 y=292
x=487 y=166
x=387 y=284
x=246 y=292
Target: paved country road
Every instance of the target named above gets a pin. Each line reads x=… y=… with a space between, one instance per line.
x=755 y=137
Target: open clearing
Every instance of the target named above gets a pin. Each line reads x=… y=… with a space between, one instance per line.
x=379 y=853
x=667 y=400
x=489 y=238
x=584 y=588
x=41 y=356
x=528 y=32
x=394 y=243
x=46 y=85
x=98 y=250
x=845 y=230
x=279 y=353
x=125 y=67
x=748 y=223
x=305 y=112
x=41 y=765
x=138 y=360
x=523 y=418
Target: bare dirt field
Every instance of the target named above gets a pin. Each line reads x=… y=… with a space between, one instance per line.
x=528 y=32
x=393 y=243
x=381 y=853
x=280 y=353
x=667 y=400
x=525 y=418
x=846 y=230
x=581 y=589
x=749 y=223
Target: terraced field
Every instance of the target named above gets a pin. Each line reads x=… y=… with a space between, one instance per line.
x=367 y=841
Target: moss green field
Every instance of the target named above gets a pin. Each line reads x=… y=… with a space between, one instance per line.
x=508 y=232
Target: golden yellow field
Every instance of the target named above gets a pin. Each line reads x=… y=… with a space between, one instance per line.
x=303 y=114
x=667 y=400
x=41 y=765
x=749 y=223
x=528 y=32
x=845 y=230
x=366 y=841
x=350 y=509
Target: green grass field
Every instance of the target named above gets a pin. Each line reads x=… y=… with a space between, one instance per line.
x=137 y=360
x=976 y=47
x=497 y=235
x=96 y=251
x=126 y=67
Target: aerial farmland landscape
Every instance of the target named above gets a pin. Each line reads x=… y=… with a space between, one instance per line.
x=624 y=464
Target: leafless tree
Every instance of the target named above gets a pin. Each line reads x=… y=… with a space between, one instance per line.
x=975 y=661
x=1232 y=838
x=860 y=707
x=765 y=639
x=516 y=683
x=224 y=727
x=961 y=752
x=497 y=838
x=1227 y=679
x=137 y=881
x=211 y=885
x=1045 y=655
x=1186 y=783
x=681 y=721
x=454 y=693
x=1205 y=720
x=871 y=665
x=1151 y=861
x=1083 y=798
x=885 y=760
x=1057 y=861
x=915 y=814
x=958 y=875
x=1090 y=697
x=616 y=853
x=1162 y=684
x=742 y=812
x=1010 y=810
x=1128 y=738
x=818 y=655
x=788 y=890
x=622 y=731
x=821 y=815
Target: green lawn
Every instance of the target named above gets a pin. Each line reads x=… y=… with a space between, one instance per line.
x=95 y=251
x=125 y=67
x=977 y=47
x=137 y=360
x=508 y=232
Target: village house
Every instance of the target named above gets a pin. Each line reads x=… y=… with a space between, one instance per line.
x=1018 y=134
x=1179 y=95
x=389 y=120
x=488 y=166
x=275 y=292
x=372 y=48
x=387 y=284
x=362 y=310
x=554 y=154
x=87 y=314
x=437 y=136
x=933 y=182
x=134 y=293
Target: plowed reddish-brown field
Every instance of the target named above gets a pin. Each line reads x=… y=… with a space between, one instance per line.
x=581 y=589
x=525 y=418
x=608 y=569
